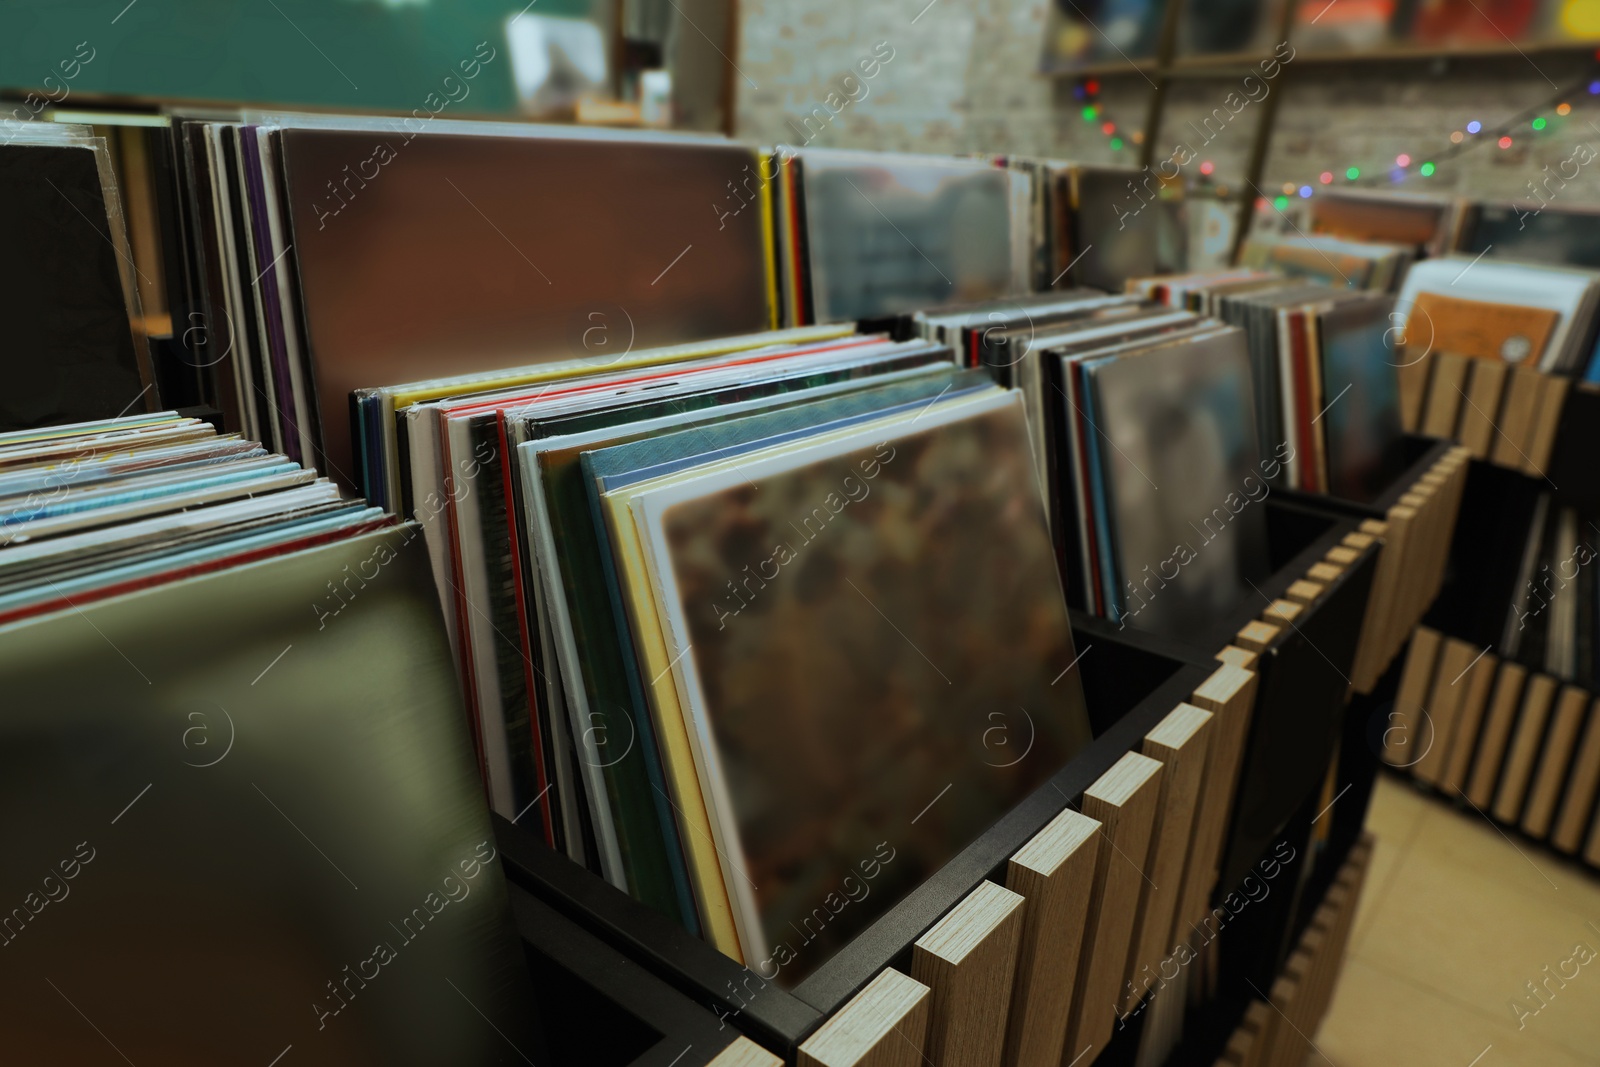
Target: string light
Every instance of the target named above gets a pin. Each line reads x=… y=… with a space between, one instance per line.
x=1089 y=113
x=1281 y=202
x=1207 y=167
x=1502 y=136
x=1108 y=128
x=1116 y=144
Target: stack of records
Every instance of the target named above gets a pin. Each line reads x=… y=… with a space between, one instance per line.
x=67 y=294
x=871 y=235
x=1534 y=231
x=1533 y=316
x=90 y=510
x=1324 y=370
x=646 y=566
x=1110 y=224
x=1425 y=224
x=1331 y=260
x=998 y=335
x=1144 y=423
x=1553 y=624
x=205 y=647
x=337 y=253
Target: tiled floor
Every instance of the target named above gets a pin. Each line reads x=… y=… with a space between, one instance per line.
x=1454 y=922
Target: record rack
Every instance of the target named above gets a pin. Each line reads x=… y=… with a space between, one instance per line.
x=1460 y=717
x=1274 y=677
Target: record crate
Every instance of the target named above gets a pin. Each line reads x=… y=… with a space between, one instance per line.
x=1022 y=936
x=1516 y=744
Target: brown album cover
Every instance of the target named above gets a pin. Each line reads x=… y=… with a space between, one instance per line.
x=1509 y=332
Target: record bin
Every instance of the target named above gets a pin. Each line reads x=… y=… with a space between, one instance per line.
x=1131 y=682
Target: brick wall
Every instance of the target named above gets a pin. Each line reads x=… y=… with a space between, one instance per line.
x=963 y=79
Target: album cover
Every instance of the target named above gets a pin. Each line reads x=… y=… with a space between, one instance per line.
x=907 y=563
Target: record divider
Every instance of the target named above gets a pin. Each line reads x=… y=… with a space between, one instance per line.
x=1132 y=681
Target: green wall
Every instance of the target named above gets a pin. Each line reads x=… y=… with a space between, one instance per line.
x=368 y=54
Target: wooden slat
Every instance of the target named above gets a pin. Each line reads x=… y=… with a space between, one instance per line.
x=745 y=1053
x=1405 y=732
x=1469 y=723
x=1582 y=786
x=1525 y=745
x=1256 y=636
x=1485 y=386
x=968 y=960
x=1055 y=874
x=1546 y=421
x=1343 y=555
x=1229 y=694
x=1124 y=800
x=1443 y=408
x=1324 y=571
x=1551 y=776
x=1180 y=743
x=1492 y=742
x=1282 y=612
x=1412 y=379
x=1515 y=425
x=1444 y=704
x=1304 y=591
x=884 y=1025
x=1235 y=656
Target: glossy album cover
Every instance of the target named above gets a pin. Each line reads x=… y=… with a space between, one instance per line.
x=70 y=353
x=1183 y=481
x=873 y=648
x=239 y=828
x=890 y=234
x=426 y=255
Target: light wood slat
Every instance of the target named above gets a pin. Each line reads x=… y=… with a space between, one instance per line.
x=1515 y=425
x=1444 y=705
x=745 y=1053
x=1124 y=800
x=1492 y=742
x=1551 y=776
x=1405 y=732
x=968 y=961
x=1282 y=612
x=1324 y=571
x=1304 y=591
x=1229 y=694
x=1582 y=786
x=1235 y=656
x=1343 y=555
x=1525 y=744
x=1180 y=743
x=1443 y=408
x=1546 y=421
x=1469 y=725
x=1055 y=874
x=1485 y=387
x=1256 y=636
x=884 y=1025
x=1412 y=379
